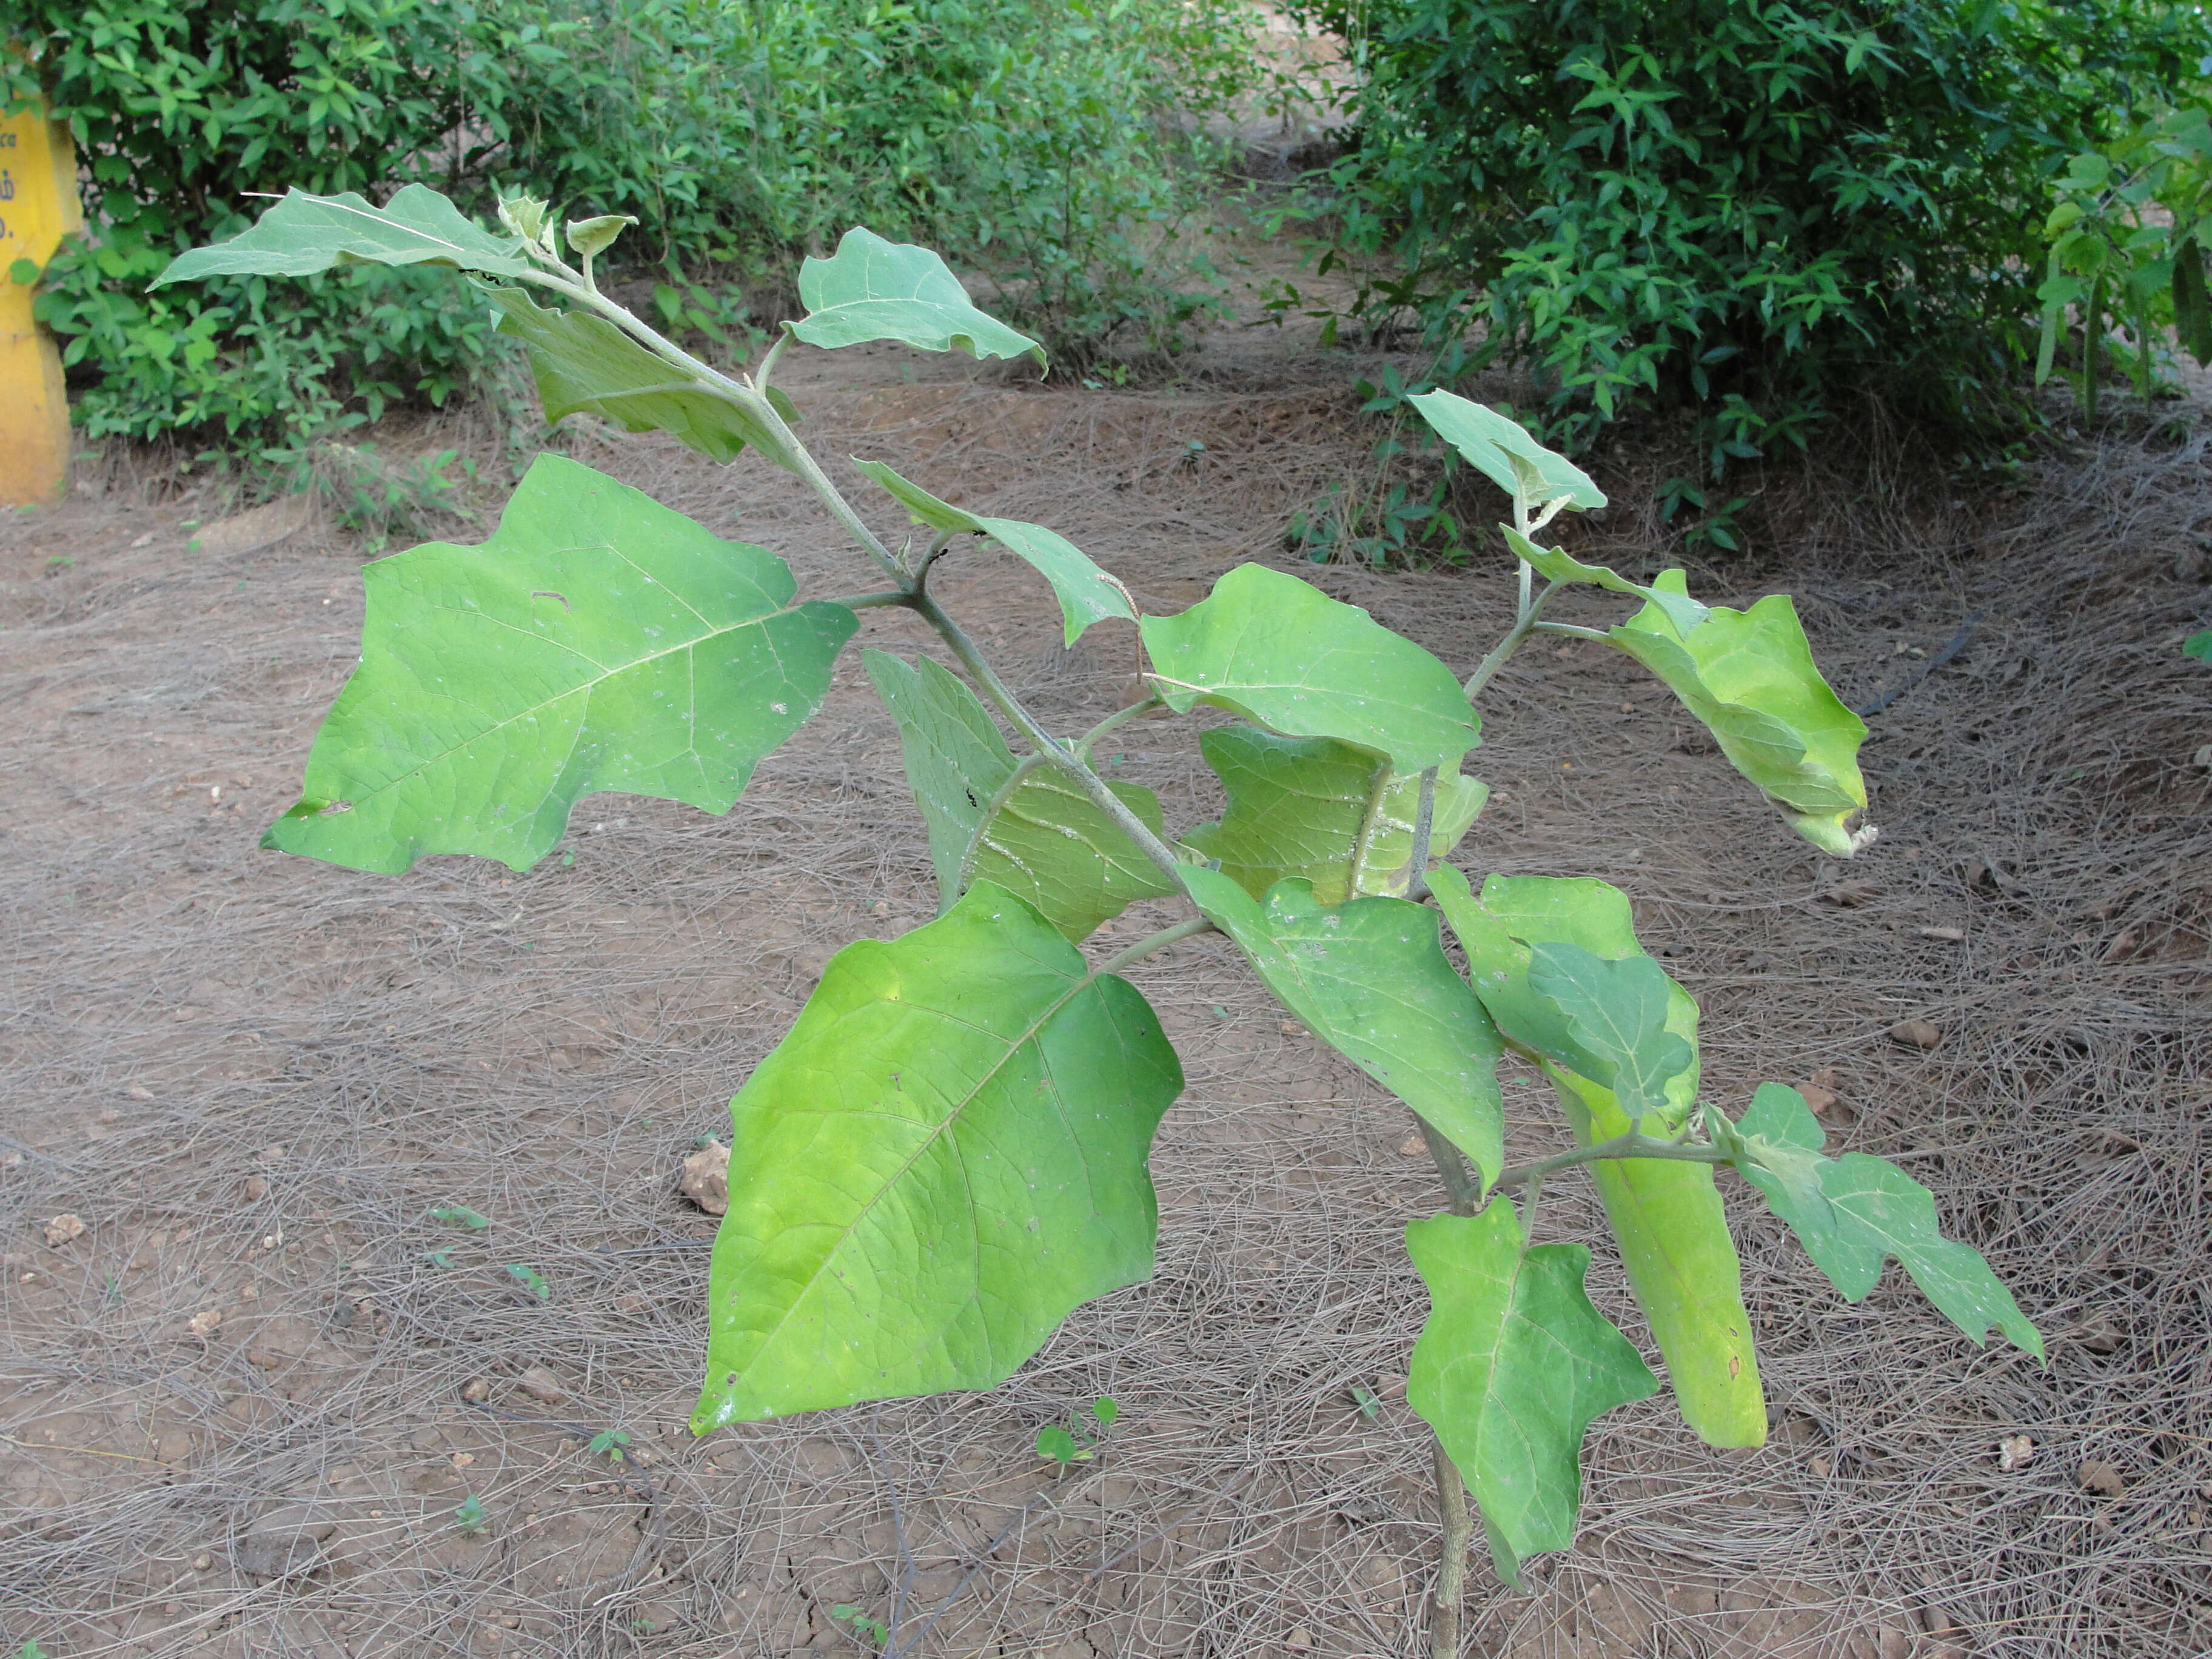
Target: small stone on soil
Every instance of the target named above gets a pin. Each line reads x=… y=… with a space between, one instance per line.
x=1916 y=1034
x=64 y=1228
x=706 y=1179
x=541 y=1385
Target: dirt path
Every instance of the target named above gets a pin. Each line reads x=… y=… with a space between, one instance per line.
x=241 y=1409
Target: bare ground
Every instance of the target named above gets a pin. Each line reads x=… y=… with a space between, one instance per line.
x=253 y=1078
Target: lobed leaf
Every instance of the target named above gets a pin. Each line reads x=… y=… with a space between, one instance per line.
x=1560 y=566
x=874 y=289
x=1086 y=593
x=305 y=232
x=1030 y=831
x=1286 y=656
x=1502 y=450
x=1750 y=678
x=585 y=362
x=1334 y=814
x=943 y=1158
x=1666 y=1216
x=596 y=640
x=1511 y=1368
x=1370 y=978
x=1617 y=1015
x=1853 y=1213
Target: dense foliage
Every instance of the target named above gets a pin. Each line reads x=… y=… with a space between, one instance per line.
x=1749 y=208
x=741 y=133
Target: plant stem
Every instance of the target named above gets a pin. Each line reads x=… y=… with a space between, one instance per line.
x=874 y=601
x=1631 y=1144
x=1451 y=1572
x=1424 y=820
x=1573 y=629
x=1532 y=605
x=1159 y=941
x=1462 y=1193
x=1119 y=717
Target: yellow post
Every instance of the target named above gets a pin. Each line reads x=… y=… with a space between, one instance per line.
x=39 y=206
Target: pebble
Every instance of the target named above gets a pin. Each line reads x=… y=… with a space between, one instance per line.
x=1916 y=1034
x=64 y=1228
x=541 y=1385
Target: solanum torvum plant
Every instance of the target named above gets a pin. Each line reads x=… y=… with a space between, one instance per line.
x=947 y=1152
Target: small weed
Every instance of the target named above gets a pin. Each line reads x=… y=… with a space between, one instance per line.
x=469 y=1516
x=1079 y=1445
x=872 y=1633
x=610 y=1442
x=531 y=1279
x=1369 y=1406
x=441 y=1260
x=459 y=1215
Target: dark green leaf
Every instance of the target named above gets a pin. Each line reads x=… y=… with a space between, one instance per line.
x=585 y=362
x=1286 y=656
x=597 y=641
x=1854 y=1212
x=1370 y=978
x=942 y=1158
x=1328 y=812
x=1512 y=1367
x=305 y=232
x=874 y=289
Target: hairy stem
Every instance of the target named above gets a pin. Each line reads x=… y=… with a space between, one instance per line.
x=1119 y=717
x=1451 y=1572
x=1151 y=942
x=1532 y=605
x=1462 y=1192
x=1634 y=1143
x=874 y=601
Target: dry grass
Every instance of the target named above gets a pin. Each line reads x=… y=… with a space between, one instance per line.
x=254 y=1077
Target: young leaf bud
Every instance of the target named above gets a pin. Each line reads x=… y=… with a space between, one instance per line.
x=525 y=215
x=591 y=236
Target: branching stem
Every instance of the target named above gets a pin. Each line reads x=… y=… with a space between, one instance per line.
x=1532 y=605
x=1634 y=1143
x=1159 y=941
x=1119 y=717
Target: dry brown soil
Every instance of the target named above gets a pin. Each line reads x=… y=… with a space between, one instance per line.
x=240 y=1409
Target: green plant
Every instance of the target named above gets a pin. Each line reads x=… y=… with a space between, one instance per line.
x=868 y=1631
x=468 y=1519
x=1745 y=211
x=2128 y=239
x=531 y=1280
x=947 y=1152
x=1079 y=1445
x=610 y=1444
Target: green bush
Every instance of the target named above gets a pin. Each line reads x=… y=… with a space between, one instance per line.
x=1739 y=207
x=740 y=133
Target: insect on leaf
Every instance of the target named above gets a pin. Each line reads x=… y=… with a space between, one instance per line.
x=596 y=640
x=942 y=1158
x=1493 y=444
x=1330 y=811
x=585 y=363
x=1750 y=677
x=1666 y=1216
x=305 y=232
x=1033 y=832
x=1087 y=594
x=1853 y=1213
x=1510 y=1369
x=874 y=289
x=1287 y=657
x=1370 y=977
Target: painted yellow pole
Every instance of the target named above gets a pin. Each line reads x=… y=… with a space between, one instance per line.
x=39 y=206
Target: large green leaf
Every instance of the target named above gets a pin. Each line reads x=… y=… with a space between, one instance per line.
x=1503 y=451
x=1370 y=978
x=1512 y=1369
x=305 y=232
x=596 y=640
x=942 y=1158
x=1030 y=829
x=1854 y=1212
x=1666 y=1216
x=1333 y=814
x=1560 y=566
x=1750 y=677
x=585 y=362
x=1086 y=593
x=1286 y=656
x=874 y=289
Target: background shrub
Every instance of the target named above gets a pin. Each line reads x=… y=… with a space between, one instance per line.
x=1056 y=139
x=1742 y=207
